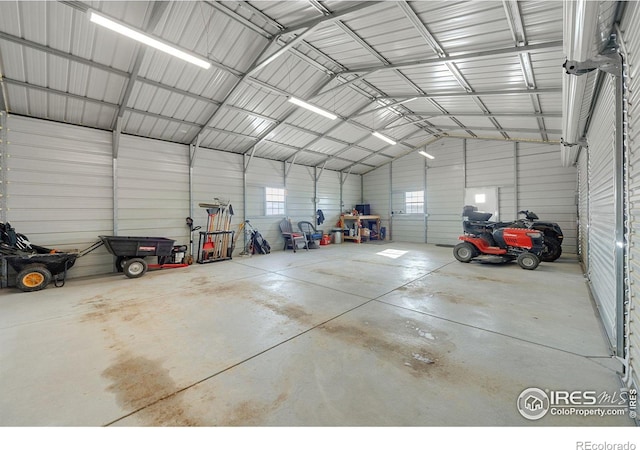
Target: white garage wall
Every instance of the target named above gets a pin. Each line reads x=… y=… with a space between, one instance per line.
x=263 y=173
x=351 y=193
x=548 y=189
x=153 y=189
x=328 y=200
x=61 y=192
x=376 y=192
x=59 y=186
x=217 y=175
x=536 y=177
x=408 y=175
x=445 y=191
x=491 y=164
x=300 y=195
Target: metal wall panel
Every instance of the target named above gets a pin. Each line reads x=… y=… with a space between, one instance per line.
x=548 y=189
x=263 y=173
x=445 y=191
x=152 y=189
x=300 y=194
x=631 y=38
x=491 y=164
x=408 y=176
x=351 y=192
x=328 y=199
x=60 y=190
x=600 y=137
x=376 y=192
x=217 y=175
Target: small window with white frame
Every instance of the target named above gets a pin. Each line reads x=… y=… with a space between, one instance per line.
x=414 y=202
x=274 y=205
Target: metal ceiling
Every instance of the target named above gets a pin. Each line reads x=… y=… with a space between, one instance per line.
x=414 y=71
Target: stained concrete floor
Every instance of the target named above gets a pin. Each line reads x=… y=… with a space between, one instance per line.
x=337 y=336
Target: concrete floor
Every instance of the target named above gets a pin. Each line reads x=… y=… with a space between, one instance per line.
x=336 y=336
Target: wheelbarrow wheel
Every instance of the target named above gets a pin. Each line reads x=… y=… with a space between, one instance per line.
x=120 y=260
x=135 y=267
x=34 y=277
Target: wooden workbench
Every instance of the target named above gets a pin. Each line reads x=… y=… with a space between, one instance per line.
x=347 y=221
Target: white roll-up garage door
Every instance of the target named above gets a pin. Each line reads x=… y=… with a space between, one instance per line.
x=601 y=139
x=631 y=38
x=583 y=208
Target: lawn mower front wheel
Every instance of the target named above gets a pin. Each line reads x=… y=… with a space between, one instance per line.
x=528 y=261
x=32 y=278
x=465 y=252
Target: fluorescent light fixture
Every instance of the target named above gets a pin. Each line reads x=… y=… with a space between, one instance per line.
x=384 y=138
x=145 y=39
x=310 y=107
x=426 y=155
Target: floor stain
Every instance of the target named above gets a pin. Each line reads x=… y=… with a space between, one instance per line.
x=251 y=412
x=138 y=382
x=407 y=349
x=427 y=293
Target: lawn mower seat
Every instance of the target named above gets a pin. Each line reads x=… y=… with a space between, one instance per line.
x=472 y=213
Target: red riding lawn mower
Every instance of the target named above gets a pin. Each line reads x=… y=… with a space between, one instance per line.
x=494 y=242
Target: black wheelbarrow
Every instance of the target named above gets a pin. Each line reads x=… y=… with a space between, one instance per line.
x=35 y=272
x=130 y=252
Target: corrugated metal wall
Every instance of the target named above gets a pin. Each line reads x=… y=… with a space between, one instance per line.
x=548 y=189
x=328 y=199
x=601 y=139
x=351 y=195
x=445 y=191
x=491 y=164
x=376 y=188
x=408 y=175
x=60 y=191
x=217 y=175
x=300 y=194
x=153 y=189
x=536 y=177
x=631 y=37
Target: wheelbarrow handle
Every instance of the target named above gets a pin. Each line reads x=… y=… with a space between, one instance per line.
x=91 y=248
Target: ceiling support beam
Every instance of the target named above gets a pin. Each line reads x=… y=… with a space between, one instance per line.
x=331 y=17
x=516 y=24
x=458 y=57
x=477 y=93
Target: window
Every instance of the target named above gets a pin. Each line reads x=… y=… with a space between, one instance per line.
x=414 y=202
x=275 y=202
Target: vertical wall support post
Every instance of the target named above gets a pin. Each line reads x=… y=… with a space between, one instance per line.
x=424 y=196
x=115 y=148
x=4 y=148
x=619 y=185
x=390 y=213
x=515 y=179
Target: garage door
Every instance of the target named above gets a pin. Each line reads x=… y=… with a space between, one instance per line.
x=601 y=139
x=631 y=37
